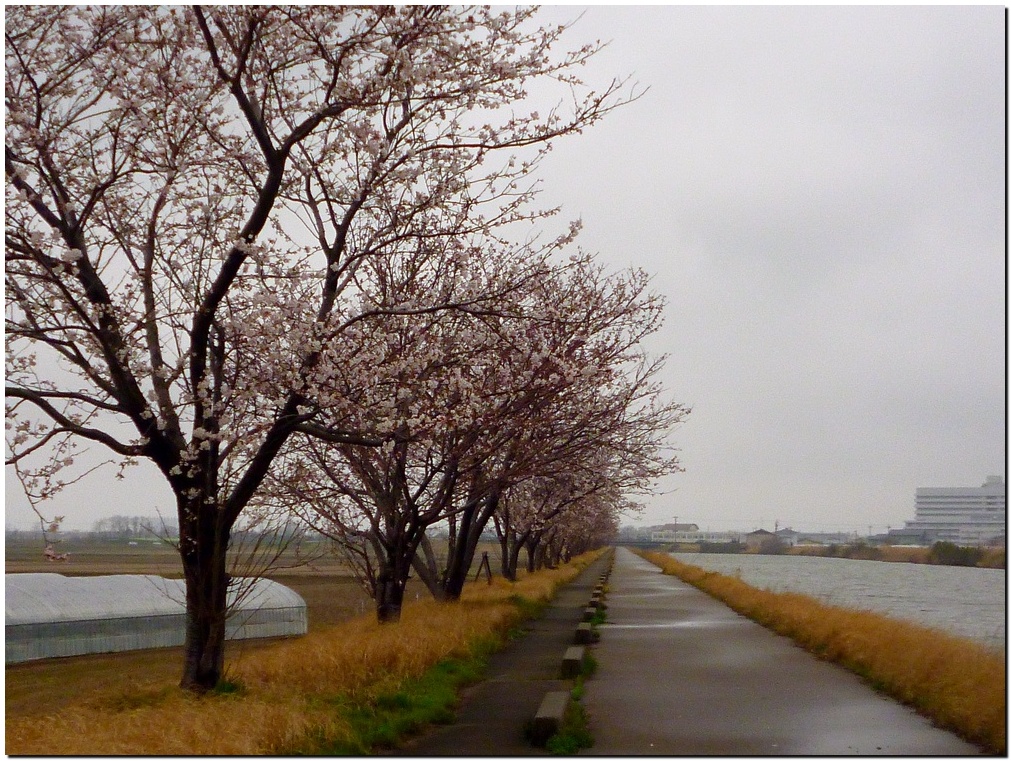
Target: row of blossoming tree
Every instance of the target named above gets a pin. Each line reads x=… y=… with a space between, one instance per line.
x=289 y=256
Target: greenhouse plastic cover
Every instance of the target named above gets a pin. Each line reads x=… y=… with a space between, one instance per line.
x=50 y=615
x=34 y=598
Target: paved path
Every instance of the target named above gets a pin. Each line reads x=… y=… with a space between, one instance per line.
x=493 y=715
x=682 y=674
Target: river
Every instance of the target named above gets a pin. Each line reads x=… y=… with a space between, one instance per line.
x=968 y=602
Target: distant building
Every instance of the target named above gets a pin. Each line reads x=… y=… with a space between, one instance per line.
x=692 y=535
x=677 y=527
x=822 y=538
x=962 y=515
x=906 y=536
x=673 y=532
x=788 y=536
x=755 y=539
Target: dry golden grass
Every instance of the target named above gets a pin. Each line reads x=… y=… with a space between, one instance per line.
x=171 y=724
x=992 y=557
x=956 y=682
x=292 y=693
x=886 y=552
x=894 y=554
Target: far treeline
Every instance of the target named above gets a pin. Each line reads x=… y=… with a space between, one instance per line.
x=293 y=258
x=940 y=553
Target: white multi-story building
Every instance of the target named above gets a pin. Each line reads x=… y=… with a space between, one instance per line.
x=963 y=515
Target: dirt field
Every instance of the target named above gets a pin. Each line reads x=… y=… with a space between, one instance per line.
x=93 y=557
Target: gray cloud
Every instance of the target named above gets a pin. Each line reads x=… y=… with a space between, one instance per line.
x=819 y=192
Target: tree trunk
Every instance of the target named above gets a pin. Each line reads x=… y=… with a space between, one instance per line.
x=514 y=557
x=391 y=581
x=533 y=544
x=472 y=523
x=460 y=557
x=457 y=575
x=502 y=532
x=203 y=556
x=426 y=565
x=511 y=547
x=509 y=542
x=554 y=550
x=389 y=598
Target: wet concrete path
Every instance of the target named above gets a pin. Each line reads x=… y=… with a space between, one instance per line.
x=682 y=674
x=492 y=717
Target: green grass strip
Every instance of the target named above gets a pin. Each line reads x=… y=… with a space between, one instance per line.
x=393 y=716
x=574 y=734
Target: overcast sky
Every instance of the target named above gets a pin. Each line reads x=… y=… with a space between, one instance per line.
x=819 y=193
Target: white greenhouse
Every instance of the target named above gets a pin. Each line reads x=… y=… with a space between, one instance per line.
x=51 y=616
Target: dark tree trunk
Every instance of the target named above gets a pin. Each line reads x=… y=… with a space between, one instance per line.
x=426 y=565
x=503 y=543
x=514 y=556
x=460 y=557
x=507 y=541
x=389 y=598
x=203 y=545
x=205 y=526
x=457 y=575
x=552 y=554
x=533 y=544
x=393 y=574
x=511 y=544
x=472 y=523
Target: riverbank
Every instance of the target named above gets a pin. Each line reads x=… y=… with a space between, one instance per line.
x=955 y=682
x=941 y=553
x=345 y=688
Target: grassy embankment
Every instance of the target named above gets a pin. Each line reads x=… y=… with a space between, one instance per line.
x=346 y=688
x=957 y=683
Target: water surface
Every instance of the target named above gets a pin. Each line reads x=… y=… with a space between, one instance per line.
x=968 y=602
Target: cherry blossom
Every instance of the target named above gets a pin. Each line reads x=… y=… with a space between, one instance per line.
x=209 y=212
x=546 y=384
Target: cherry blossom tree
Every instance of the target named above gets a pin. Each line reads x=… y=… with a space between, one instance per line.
x=553 y=519
x=552 y=381
x=416 y=381
x=191 y=197
x=588 y=412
